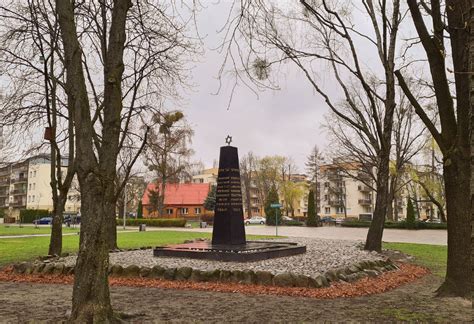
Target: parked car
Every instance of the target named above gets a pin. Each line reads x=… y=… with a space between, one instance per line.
x=327 y=219
x=71 y=219
x=43 y=221
x=286 y=218
x=435 y=221
x=255 y=220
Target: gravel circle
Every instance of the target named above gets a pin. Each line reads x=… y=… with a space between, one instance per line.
x=321 y=255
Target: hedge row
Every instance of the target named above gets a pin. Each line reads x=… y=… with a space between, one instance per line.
x=399 y=225
x=29 y=215
x=155 y=222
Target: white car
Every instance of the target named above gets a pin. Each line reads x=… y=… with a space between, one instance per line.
x=287 y=218
x=255 y=220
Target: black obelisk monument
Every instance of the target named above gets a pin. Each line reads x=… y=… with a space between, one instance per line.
x=229 y=226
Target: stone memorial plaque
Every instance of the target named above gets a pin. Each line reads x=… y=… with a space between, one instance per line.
x=228 y=217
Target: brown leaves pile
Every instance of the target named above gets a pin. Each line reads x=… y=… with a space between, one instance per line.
x=366 y=286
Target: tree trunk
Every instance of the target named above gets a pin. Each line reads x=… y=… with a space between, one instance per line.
x=471 y=135
x=374 y=236
x=56 y=240
x=457 y=177
x=91 y=298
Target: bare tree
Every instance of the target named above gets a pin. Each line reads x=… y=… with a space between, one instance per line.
x=247 y=174
x=322 y=31
x=435 y=23
x=31 y=28
x=120 y=30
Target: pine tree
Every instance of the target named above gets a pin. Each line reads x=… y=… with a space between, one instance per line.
x=210 y=202
x=312 y=219
x=410 y=221
x=270 y=213
x=140 y=210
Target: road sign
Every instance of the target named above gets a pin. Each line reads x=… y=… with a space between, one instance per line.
x=275 y=205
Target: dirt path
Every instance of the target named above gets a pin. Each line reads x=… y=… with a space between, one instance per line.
x=24 y=302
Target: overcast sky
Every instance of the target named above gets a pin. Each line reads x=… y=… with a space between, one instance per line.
x=284 y=122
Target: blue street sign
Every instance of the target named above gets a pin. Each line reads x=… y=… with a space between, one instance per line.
x=275 y=205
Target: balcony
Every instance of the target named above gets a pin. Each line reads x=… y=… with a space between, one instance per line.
x=19 y=180
x=336 y=202
x=365 y=201
x=4 y=182
x=4 y=193
x=333 y=176
x=18 y=204
x=364 y=188
x=17 y=192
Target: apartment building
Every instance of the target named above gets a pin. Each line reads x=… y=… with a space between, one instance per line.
x=207 y=176
x=26 y=185
x=343 y=192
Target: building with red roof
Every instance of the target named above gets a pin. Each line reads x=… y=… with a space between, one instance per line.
x=182 y=200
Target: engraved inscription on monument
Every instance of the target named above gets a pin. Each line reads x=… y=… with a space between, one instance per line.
x=228 y=218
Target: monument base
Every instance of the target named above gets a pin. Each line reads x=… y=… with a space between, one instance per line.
x=252 y=251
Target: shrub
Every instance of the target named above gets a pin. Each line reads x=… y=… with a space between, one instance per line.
x=312 y=219
x=399 y=225
x=2 y=213
x=293 y=223
x=208 y=218
x=155 y=222
x=29 y=215
x=140 y=210
x=410 y=221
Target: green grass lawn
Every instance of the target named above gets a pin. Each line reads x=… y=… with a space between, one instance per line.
x=433 y=257
x=23 y=249
x=15 y=229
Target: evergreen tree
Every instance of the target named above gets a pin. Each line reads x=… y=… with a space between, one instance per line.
x=410 y=221
x=210 y=202
x=270 y=213
x=154 y=197
x=140 y=209
x=312 y=219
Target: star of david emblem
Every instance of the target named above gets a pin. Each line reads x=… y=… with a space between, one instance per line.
x=228 y=139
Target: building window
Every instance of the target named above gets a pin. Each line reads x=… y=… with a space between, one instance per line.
x=326 y=185
x=169 y=211
x=34 y=186
x=197 y=210
x=327 y=210
x=340 y=210
x=29 y=186
x=29 y=198
x=33 y=198
x=34 y=173
x=184 y=211
x=325 y=197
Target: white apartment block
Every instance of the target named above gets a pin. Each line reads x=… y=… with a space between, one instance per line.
x=207 y=176
x=340 y=195
x=26 y=185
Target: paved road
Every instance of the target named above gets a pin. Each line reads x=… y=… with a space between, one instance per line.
x=437 y=237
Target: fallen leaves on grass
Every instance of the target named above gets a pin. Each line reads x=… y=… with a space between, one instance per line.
x=366 y=286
